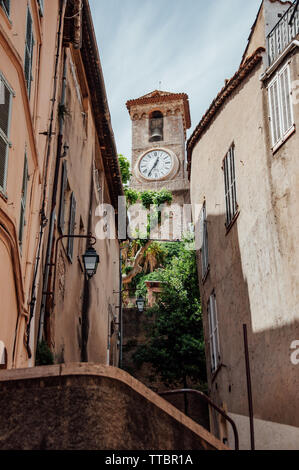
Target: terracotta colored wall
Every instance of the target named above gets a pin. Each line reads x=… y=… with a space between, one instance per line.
x=28 y=118
x=79 y=407
x=29 y=121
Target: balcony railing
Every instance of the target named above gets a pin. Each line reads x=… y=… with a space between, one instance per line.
x=283 y=33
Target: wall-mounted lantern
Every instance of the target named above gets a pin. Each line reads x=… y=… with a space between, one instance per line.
x=140 y=304
x=90 y=261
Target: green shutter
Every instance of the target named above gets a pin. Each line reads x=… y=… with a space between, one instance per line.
x=29 y=52
x=62 y=197
x=23 y=200
x=41 y=7
x=5 y=114
x=6 y=5
x=72 y=221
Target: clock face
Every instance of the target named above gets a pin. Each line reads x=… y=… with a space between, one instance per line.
x=155 y=164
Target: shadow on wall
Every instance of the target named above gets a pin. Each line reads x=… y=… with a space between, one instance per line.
x=275 y=380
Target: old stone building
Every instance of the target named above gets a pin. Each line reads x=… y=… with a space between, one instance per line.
x=58 y=162
x=159 y=124
x=243 y=164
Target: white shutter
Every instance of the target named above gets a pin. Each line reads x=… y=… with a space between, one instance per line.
x=280 y=105
x=274 y=111
x=286 y=99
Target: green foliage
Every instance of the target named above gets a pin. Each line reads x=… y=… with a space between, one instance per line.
x=155 y=198
x=44 y=355
x=132 y=196
x=175 y=344
x=124 y=165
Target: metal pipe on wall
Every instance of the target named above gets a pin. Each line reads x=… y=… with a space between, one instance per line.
x=43 y=222
x=53 y=209
x=249 y=389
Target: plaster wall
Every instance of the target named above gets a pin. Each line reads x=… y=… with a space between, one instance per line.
x=254 y=266
x=26 y=117
x=80 y=324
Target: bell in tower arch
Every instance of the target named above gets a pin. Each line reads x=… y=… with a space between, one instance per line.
x=156 y=127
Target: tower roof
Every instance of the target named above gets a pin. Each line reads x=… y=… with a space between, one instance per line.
x=158 y=96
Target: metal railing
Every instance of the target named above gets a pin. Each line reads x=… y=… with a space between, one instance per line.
x=211 y=403
x=283 y=33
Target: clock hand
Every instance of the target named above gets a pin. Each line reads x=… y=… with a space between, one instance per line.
x=155 y=164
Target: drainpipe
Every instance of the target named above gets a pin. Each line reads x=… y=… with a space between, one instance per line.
x=53 y=209
x=86 y=289
x=44 y=221
x=249 y=390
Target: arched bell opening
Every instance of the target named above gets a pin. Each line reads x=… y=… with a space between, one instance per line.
x=156 y=126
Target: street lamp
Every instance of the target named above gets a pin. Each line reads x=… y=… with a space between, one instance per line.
x=90 y=261
x=140 y=304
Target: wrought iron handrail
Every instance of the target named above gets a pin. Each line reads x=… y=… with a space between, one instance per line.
x=283 y=33
x=212 y=404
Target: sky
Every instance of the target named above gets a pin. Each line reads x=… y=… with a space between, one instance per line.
x=190 y=46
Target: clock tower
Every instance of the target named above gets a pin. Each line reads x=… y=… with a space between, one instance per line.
x=159 y=123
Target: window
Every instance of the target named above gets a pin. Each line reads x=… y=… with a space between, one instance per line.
x=213 y=333
x=156 y=127
x=5 y=4
x=204 y=241
x=29 y=52
x=41 y=7
x=23 y=200
x=72 y=224
x=230 y=185
x=5 y=114
x=280 y=105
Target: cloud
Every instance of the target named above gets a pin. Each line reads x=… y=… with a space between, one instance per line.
x=190 y=46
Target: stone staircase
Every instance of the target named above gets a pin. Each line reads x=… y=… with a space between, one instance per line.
x=94 y=407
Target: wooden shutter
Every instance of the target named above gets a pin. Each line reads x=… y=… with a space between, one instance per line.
x=214 y=334
x=280 y=105
x=204 y=245
x=72 y=221
x=230 y=185
x=211 y=337
x=62 y=196
x=41 y=7
x=6 y=5
x=273 y=92
x=5 y=113
x=23 y=200
x=201 y=227
x=29 y=51
x=285 y=100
